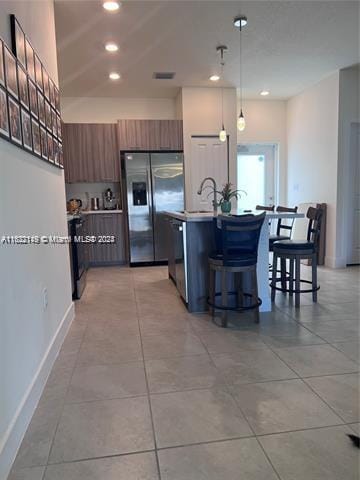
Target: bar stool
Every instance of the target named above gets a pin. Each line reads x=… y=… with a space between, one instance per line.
x=237 y=239
x=295 y=251
x=282 y=236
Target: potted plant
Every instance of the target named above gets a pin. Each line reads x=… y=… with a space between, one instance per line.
x=226 y=194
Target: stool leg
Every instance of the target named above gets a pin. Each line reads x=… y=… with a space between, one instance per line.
x=273 y=277
x=291 y=277
x=255 y=293
x=212 y=281
x=239 y=289
x=224 y=298
x=297 y=281
x=283 y=273
x=314 y=276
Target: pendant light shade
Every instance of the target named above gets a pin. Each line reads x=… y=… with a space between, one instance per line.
x=222 y=134
x=240 y=22
x=241 y=124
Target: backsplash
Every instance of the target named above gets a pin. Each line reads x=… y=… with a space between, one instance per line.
x=85 y=191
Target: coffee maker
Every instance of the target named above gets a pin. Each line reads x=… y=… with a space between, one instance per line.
x=109 y=200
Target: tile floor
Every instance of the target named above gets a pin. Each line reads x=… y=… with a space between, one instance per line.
x=142 y=390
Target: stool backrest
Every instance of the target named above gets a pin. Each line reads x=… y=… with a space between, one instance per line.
x=239 y=235
x=266 y=208
x=285 y=226
x=313 y=233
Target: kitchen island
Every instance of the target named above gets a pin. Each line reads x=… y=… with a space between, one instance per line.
x=191 y=239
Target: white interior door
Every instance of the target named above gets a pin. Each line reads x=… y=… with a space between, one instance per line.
x=354 y=217
x=208 y=159
x=256 y=175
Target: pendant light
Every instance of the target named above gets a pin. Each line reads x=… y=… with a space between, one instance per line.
x=222 y=133
x=240 y=22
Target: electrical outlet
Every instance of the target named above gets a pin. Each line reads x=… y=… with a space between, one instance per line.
x=45 y=298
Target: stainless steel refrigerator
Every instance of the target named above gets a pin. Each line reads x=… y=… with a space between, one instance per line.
x=155 y=184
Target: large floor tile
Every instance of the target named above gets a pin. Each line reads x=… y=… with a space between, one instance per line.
x=98 y=382
x=102 y=352
x=283 y=406
x=226 y=341
x=97 y=429
x=341 y=392
x=251 y=366
x=164 y=324
x=30 y=473
x=140 y=466
x=171 y=345
x=303 y=337
x=182 y=373
x=196 y=416
x=231 y=460
x=316 y=454
x=336 y=331
x=316 y=360
x=349 y=349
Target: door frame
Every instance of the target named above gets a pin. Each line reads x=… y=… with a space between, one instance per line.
x=276 y=164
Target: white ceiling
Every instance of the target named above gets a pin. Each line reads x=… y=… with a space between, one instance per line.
x=287 y=46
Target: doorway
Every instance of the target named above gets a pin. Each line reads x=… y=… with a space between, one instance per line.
x=256 y=174
x=353 y=212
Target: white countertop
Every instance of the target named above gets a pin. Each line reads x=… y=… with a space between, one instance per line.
x=208 y=216
x=97 y=212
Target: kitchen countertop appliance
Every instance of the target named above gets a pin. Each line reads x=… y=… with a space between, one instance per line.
x=74 y=205
x=95 y=203
x=110 y=202
x=154 y=184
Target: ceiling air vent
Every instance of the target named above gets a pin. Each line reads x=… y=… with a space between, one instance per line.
x=164 y=75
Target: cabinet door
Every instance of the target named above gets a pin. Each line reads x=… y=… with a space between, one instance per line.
x=90 y=153
x=166 y=135
x=134 y=135
x=102 y=226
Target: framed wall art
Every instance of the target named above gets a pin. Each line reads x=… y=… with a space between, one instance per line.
x=26 y=129
x=10 y=72
x=14 y=121
x=4 y=114
x=18 y=40
x=2 y=71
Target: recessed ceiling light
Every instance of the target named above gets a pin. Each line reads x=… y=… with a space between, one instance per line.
x=240 y=21
x=264 y=93
x=114 y=76
x=214 y=78
x=111 y=47
x=111 y=6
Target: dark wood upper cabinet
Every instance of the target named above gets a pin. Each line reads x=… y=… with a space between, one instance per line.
x=91 y=152
x=150 y=135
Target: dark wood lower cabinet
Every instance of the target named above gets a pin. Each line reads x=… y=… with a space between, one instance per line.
x=104 y=226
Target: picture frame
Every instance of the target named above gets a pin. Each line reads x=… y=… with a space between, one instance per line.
x=54 y=122
x=18 y=40
x=38 y=73
x=50 y=147
x=46 y=83
x=61 y=156
x=48 y=118
x=52 y=93
x=57 y=99
x=59 y=132
x=43 y=143
x=10 y=72
x=26 y=129
x=35 y=128
x=4 y=114
x=33 y=99
x=14 y=121
x=56 y=151
x=41 y=107
x=2 y=68
x=30 y=59
x=23 y=86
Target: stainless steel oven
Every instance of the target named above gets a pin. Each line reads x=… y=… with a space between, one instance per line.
x=78 y=255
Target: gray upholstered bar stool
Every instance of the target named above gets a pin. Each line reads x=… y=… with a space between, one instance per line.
x=295 y=251
x=237 y=240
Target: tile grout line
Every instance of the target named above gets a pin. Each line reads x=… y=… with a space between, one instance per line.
x=147 y=386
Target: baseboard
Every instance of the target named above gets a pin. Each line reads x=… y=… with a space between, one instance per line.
x=12 y=439
x=335 y=262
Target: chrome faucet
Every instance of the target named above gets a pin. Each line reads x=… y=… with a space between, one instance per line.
x=201 y=188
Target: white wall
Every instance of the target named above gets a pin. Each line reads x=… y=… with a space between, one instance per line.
x=201 y=111
x=349 y=112
x=109 y=110
x=312 y=140
x=32 y=202
x=266 y=123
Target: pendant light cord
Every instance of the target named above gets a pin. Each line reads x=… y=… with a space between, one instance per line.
x=240 y=70
x=222 y=89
